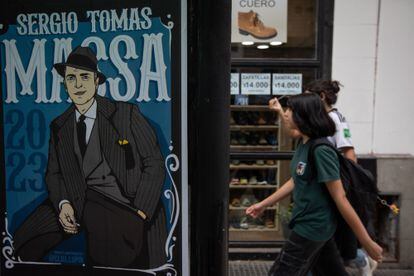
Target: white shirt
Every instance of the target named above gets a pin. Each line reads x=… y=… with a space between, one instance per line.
x=342 y=136
x=89 y=120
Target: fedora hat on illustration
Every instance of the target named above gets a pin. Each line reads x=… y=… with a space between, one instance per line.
x=82 y=58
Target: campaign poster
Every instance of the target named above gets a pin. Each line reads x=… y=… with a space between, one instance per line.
x=92 y=137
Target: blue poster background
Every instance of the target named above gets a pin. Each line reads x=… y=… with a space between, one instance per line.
x=26 y=123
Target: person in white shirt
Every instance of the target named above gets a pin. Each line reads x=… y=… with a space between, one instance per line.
x=328 y=91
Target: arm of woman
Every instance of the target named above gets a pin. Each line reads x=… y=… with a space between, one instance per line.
x=275 y=105
x=349 y=153
x=337 y=193
x=257 y=209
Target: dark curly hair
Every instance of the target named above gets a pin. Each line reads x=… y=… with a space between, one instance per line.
x=310 y=116
x=329 y=88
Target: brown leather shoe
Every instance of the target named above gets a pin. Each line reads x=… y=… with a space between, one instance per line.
x=249 y=23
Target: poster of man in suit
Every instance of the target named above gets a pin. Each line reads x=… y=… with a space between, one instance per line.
x=90 y=166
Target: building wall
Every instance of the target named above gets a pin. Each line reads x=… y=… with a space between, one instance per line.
x=395 y=177
x=372 y=55
x=373 y=52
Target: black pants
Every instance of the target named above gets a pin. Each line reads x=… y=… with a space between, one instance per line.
x=329 y=261
x=114 y=234
x=299 y=255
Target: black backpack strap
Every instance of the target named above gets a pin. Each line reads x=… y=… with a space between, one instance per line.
x=313 y=144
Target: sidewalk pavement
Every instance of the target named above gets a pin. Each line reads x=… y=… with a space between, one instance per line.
x=260 y=268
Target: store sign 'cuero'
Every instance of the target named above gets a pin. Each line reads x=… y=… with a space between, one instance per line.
x=259 y=21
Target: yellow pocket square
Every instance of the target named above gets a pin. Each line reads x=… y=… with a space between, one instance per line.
x=123 y=142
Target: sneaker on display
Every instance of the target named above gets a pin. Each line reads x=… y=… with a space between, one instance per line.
x=253 y=139
x=271 y=139
x=244 y=223
x=233 y=139
x=252 y=118
x=261 y=121
x=243 y=120
x=262 y=140
x=235 y=162
x=260 y=223
x=260 y=162
x=243 y=181
x=253 y=180
x=242 y=139
x=262 y=182
x=246 y=202
x=232 y=121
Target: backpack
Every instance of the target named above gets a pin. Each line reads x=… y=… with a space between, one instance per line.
x=359 y=184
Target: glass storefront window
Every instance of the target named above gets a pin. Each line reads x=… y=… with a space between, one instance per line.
x=301 y=36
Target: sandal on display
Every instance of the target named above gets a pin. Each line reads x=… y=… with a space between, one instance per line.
x=235 y=202
x=246 y=202
x=269 y=223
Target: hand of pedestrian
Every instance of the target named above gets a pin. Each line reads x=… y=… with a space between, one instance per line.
x=255 y=210
x=275 y=105
x=67 y=219
x=374 y=251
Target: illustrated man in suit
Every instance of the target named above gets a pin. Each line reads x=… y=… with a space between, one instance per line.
x=105 y=175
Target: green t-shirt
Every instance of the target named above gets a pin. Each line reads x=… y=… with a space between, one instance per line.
x=314 y=214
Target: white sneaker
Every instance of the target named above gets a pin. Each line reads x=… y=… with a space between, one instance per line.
x=369 y=264
x=366 y=269
x=372 y=263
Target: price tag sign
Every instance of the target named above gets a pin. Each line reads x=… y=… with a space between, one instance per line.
x=255 y=84
x=234 y=84
x=287 y=84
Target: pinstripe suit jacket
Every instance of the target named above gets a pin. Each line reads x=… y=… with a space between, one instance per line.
x=138 y=166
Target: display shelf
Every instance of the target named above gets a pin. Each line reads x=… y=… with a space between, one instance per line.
x=245 y=207
x=250 y=108
x=252 y=167
x=253 y=127
x=256 y=235
x=252 y=229
x=235 y=148
x=245 y=127
x=244 y=186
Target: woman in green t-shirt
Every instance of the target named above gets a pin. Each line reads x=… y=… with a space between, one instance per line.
x=313 y=220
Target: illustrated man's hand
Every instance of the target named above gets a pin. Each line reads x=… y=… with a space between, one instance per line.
x=67 y=219
x=275 y=105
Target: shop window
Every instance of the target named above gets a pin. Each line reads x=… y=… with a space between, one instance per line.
x=301 y=32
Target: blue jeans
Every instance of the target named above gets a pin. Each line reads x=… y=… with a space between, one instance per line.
x=360 y=260
x=299 y=255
